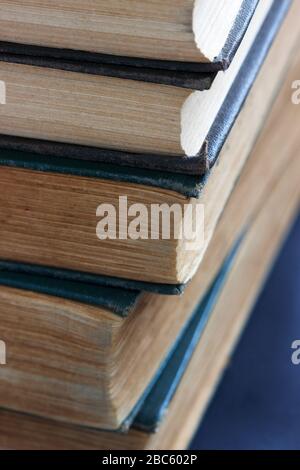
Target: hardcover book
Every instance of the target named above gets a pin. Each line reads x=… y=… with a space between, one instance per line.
x=186 y=33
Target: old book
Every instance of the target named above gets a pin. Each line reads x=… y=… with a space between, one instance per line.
x=101 y=340
x=26 y=196
x=192 y=31
x=253 y=260
x=152 y=124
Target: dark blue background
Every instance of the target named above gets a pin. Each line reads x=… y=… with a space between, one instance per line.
x=257 y=405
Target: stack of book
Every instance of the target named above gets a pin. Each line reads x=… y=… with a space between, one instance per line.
x=148 y=172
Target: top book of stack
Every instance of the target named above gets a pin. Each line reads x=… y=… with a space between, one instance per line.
x=192 y=32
